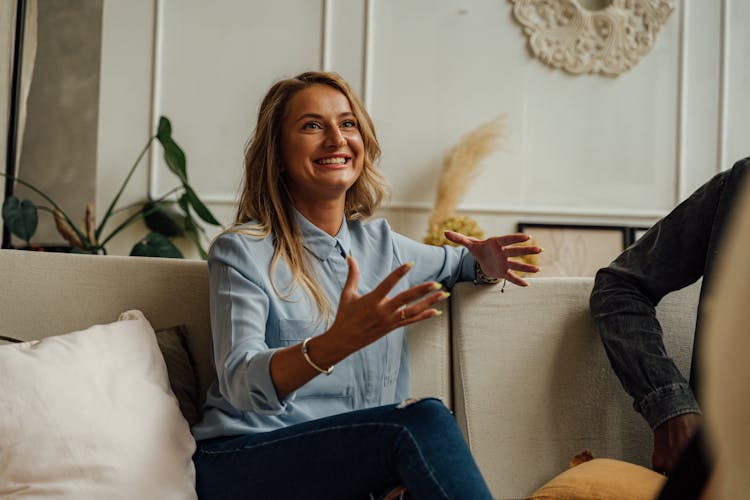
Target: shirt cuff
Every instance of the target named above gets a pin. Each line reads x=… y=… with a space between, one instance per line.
x=263 y=397
x=667 y=402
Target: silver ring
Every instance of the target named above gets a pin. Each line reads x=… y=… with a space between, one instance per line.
x=403 y=314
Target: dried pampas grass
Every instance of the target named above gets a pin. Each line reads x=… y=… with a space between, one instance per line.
x=460 y=168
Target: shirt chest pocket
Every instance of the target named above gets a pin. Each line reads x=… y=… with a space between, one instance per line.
x=339 y=384
x=293 y=331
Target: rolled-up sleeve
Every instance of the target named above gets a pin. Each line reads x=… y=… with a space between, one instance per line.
x=446 y=264
x=239 y=317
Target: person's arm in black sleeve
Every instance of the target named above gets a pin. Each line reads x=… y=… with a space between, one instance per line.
x=670 y=256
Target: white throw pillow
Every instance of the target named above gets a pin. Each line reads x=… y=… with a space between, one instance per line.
x=90 y=414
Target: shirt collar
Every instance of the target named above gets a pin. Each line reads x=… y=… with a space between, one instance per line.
x=320 y=243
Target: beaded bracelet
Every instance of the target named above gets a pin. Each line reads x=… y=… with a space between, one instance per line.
x=310 y=361
x=480 y=276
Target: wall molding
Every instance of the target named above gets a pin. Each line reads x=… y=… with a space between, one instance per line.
x=325 y=42
x=723 y=87
x=156 y=77
x=680 y=170
x=369 y=42
x=156 y=83
x=538 y=210
x=591 y=213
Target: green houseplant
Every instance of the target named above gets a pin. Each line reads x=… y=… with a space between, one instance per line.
x=175 y=214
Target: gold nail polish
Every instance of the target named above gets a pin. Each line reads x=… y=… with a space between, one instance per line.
x=410 y=264
x=446 y=295
x=438 y=312
x=436 y=285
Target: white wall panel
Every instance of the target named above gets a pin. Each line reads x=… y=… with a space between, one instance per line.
x=124 y=123
x=702 y=85
x=214 y=63
x=575 y=141
x=737 y=105
x=585 y=149
x=345 y=40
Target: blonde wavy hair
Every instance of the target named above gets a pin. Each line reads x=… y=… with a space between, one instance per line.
x=265 y=201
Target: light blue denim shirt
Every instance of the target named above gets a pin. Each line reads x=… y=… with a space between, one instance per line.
x=250 y=322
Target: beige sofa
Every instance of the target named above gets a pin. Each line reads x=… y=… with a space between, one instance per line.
x=523 y=370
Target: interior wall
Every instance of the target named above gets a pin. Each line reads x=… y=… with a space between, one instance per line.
x=585 y=149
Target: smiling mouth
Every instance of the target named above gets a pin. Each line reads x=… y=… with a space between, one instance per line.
x=338 y=160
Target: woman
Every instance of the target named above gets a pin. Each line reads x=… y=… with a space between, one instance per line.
x=308 y=309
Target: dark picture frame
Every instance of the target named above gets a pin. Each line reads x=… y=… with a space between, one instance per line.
x=576 y=250
x=636 y=232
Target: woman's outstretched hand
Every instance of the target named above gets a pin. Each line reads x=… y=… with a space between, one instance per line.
x=493 y=254
x=363 y=319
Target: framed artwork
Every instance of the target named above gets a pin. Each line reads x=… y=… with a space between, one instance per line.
x=576 y=250
x=635 y=234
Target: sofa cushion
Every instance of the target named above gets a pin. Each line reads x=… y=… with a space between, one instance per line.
x=602 y=479
x=90 y=414
x=181 y=370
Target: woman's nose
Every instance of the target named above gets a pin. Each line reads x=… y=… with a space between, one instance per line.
x=335 y=138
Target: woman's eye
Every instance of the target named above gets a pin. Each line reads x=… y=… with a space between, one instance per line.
x=349 y=124
x=312 y=126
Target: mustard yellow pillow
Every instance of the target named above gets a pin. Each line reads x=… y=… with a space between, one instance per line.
x=605 y=479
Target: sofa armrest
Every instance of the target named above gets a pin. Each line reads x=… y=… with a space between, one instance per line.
x=430 y=357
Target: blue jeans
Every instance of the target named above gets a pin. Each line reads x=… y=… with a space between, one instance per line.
x=348 y=456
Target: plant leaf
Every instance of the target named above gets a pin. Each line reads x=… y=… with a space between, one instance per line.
x=82 y=251
x=184 y=204
x=200 y=209
x=156 y=245
x=162 y=220
x=173 y=154
x=192 y=232
x=20 y=217
x=164 y=131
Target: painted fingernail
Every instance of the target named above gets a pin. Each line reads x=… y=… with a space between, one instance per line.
x=438 y=312
x=445 y=295
x=410 y=264
x=541 y=249
x=436 y=285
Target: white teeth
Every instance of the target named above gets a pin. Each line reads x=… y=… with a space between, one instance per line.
x=332 y=161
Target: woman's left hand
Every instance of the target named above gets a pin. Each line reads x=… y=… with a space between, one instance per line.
x=493 y=254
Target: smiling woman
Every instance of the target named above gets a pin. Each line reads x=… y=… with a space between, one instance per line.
x=309 y=307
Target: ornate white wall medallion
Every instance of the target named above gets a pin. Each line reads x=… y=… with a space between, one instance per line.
x=611 y=40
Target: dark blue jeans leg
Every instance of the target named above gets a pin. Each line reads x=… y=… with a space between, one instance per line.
x=347 y=456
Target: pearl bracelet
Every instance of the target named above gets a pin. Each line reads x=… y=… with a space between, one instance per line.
x=310 y=361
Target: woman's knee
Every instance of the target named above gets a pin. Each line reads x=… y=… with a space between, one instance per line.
x=427 y=412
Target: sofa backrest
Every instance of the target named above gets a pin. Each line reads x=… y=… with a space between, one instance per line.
x=533 y=386
x=44 y=294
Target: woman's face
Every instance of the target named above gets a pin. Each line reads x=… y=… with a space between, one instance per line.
x=321 y=147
